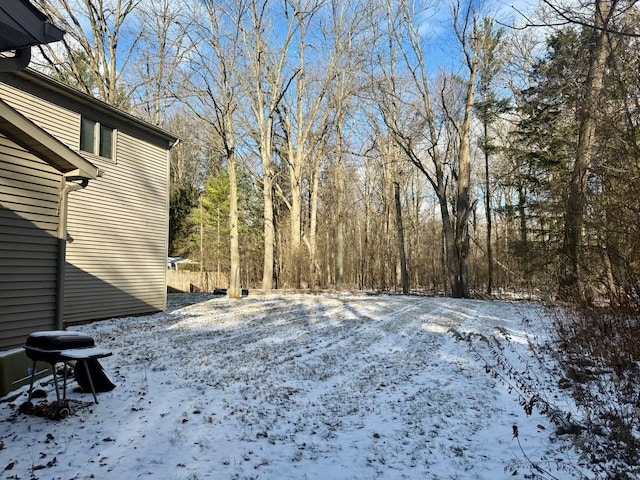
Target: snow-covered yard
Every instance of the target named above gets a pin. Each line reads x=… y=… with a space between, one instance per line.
x=296 y=387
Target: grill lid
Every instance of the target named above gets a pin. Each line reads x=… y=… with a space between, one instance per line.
x=58 y=340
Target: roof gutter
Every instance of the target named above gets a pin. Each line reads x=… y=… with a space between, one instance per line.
x=37 y=80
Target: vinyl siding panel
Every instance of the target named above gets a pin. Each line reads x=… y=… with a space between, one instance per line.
x=116 y=264
x=29 y=196
x=117 y=226
x=60 y=122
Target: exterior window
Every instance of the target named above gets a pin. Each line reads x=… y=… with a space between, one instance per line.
x=96 y=138
x=106 y=142
x=87 y=135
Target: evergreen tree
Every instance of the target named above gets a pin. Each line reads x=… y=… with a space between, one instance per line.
x=207 y=226
x=543 y=152
x=182 y=201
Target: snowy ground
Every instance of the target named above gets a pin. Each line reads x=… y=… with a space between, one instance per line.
x=298 y=387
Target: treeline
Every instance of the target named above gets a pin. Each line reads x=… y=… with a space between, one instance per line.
x=384 y=144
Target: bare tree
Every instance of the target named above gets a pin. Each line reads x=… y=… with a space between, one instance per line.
x=348 y=35
x=303 y=114
x=314 y=112
x=404 y=276
x=412 y=121
x=467 y=31
x=97 y=49
x=215 y=85
x=164 y=49
x=267 y=79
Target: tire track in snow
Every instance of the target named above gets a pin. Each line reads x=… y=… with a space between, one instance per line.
x=361 y=341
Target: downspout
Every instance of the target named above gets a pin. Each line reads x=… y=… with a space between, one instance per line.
x=66 y=189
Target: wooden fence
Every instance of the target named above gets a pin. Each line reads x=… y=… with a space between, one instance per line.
x=185 y=281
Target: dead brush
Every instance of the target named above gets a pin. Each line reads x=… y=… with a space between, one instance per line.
x=504 y=364
x=520 y=380
x=599 y=351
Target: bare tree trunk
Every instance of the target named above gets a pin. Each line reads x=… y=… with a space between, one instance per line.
x=408 y=40
x=295 y=218
x=265 y=86
x=305 y=122
x=234 y=275
x=524 y=232
x=314 y=268
x=399 y=227
x=366 y=260
x=340 y=226
x=269 y=230
x=216 y=69
x=487 y=206
x=569 y=281
x=464 y=207
x=613 y=288
x=450 y=257
x=340 y=201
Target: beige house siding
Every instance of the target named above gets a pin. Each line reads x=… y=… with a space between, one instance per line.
x=59 y=122
x=117 y=226
x=29 y=196
x=116 y=261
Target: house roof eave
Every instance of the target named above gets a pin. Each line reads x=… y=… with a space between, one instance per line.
x=43 y=145
x=44 y=81
x=23 y=25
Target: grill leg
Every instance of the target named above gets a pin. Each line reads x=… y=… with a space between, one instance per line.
x=33 y=374
x=55 y=381
x=93 y=390
x=64 y=384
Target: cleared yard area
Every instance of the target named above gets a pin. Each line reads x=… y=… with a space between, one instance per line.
x=299 y=386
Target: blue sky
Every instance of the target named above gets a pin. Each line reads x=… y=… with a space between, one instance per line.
x=437 y=27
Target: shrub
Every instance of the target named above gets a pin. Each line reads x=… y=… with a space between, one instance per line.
x=599 y=351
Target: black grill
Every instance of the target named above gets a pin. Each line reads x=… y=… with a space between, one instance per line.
x=48 y=346
x=60 y=347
